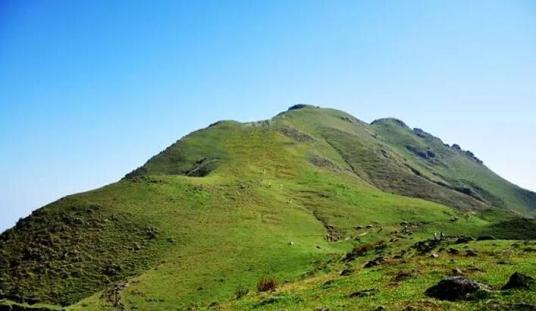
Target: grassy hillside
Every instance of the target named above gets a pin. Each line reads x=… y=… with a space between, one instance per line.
x=201 y=224
x=456 y=168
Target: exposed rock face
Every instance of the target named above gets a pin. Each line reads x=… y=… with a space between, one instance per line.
x=294 y=134
x=473 y=157
x=467 y=153
x=519 y=281
x=419 y=132
x=393 y=120
x=301 y=106
x=216 y=123
x=202 y=167
x=425 y=154
x=454 y=288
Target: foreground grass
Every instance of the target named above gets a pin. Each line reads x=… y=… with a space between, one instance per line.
x=496 y=261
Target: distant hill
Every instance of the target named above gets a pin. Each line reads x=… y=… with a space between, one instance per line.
x=203 y=222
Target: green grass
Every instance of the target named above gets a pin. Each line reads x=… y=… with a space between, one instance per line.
x=332 y=290
x=280 y=199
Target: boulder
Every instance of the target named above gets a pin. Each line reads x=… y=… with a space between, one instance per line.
x=454 y=288
x=374 y=262
x=519 y=281
x=346 y=272
x=363 y=293
x=419 y=132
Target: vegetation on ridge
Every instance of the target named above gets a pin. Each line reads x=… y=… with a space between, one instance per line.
x=314 y=207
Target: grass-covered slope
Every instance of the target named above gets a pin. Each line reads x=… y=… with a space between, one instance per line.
x=226 y=206
x=72 y=247
x=380 y=164
x=459 y=169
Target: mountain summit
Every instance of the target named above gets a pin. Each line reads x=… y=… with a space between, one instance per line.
x=266 y=215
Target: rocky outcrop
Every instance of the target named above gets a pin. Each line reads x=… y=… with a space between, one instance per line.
x=519 y=281
x=455 y=288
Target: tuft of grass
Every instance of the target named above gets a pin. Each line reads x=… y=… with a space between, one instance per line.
x=266 y=284
x=241 y=291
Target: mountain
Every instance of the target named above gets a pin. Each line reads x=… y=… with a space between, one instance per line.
x=266 y=215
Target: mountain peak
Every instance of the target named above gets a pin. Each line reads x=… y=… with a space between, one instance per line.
x=390 y=121
x=301 y=106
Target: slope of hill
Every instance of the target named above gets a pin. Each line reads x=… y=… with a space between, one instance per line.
x=458 y=169
x=286 y=199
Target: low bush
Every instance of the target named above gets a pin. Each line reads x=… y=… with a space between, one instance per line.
x=266 y=284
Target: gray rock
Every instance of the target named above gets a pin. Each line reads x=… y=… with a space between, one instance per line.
x=454 y=288
x=363 y=293
x=519 y=281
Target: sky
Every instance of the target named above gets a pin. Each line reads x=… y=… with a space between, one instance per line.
x=89 y=90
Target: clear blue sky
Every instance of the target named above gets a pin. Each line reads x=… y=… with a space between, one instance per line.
x=89 y=90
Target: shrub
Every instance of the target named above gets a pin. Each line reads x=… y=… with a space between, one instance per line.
x=266 y=284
